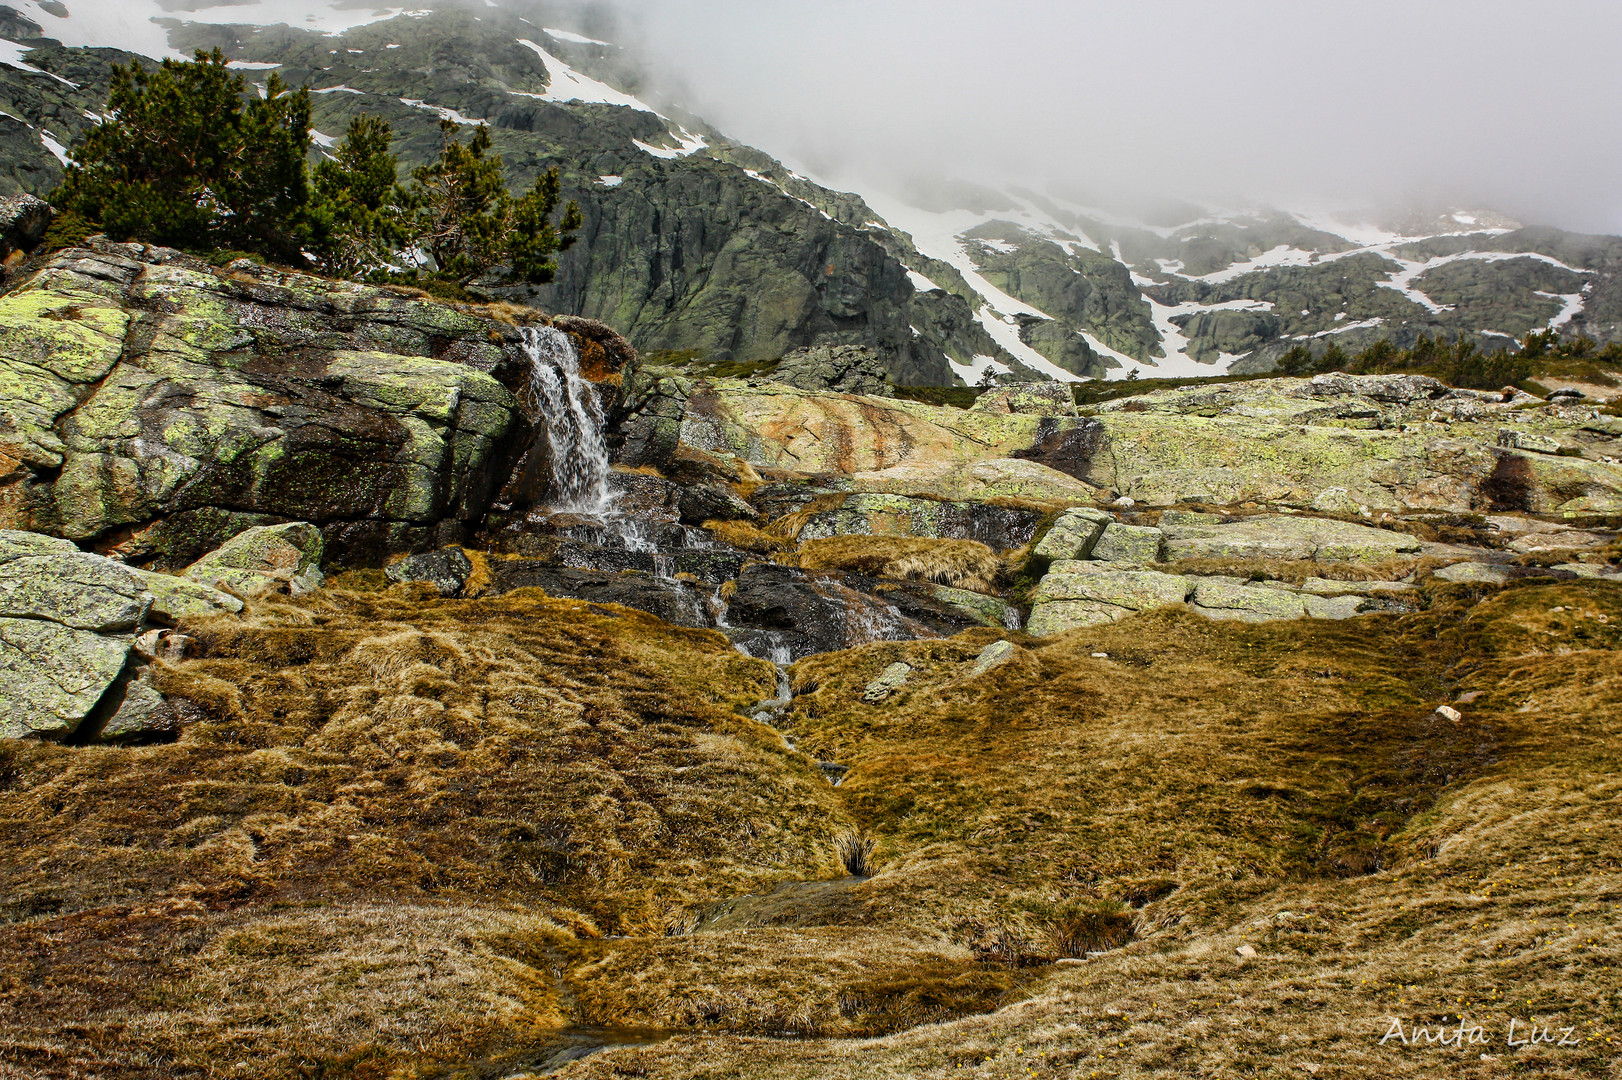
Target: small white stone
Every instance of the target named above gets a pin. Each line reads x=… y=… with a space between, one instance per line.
x=1448 y=712
x=1100 y=656
x=1245 y=951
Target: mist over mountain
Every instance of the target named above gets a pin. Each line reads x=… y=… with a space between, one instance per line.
x=1025 y=192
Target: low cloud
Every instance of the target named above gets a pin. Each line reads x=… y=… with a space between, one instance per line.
x=1233 y=102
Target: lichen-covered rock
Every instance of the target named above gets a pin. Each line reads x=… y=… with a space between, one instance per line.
x=1246 y=603
x=77 y=589
x=1136 y=545
x=844 y=369
x=979 y=481
x=983 y=609
x=152 y=403
x=264 y=559
x=1474 y=573
x=1039 y=399
x=175 y=598
x=877 y=514
x=991 y=657
x=52 y=676
x=1072 y=536
x=889 y=681
x=1287 y=536
x=1528 y=440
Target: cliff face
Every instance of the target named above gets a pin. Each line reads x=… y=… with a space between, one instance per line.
x=153 y=406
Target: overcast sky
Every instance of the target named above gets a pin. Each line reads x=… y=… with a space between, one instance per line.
x=1508 y=105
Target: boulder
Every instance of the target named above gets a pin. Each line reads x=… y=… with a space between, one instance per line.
x=52 y=676
x=844 y=369
x=712 y=502
x=1475 y=573
x=1040 y=399
x=1072 y=536
x=69 y=622
x=23 y=222
x=447 y=571
x=1134 y=545
x=978 y=607
x=1076 y=594
x=175 y=598
x=1287 y=536
x=1246 y=603
x=263 y=560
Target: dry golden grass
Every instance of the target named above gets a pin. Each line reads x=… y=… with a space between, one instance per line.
x=401 y=839
x=964 y=564
x=1296 y=571
x=748 y=537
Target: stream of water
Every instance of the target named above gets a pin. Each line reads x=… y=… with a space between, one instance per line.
x=573 y=415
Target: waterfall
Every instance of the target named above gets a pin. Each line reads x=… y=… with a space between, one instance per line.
x=568 y=407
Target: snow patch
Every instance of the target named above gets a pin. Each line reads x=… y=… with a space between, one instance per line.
x=610 y=181
x=570 y=85
x=573 y=38
x=444 y=113
x=326 y=142
x=251 y=65
x=54 y=147
x=1572 y=307
x=921 y=283
x=338 y=90
x=11 y=55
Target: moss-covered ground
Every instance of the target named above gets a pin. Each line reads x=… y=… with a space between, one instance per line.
x=404 y=836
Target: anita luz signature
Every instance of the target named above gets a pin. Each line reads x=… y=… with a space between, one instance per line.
x=1467 y=1034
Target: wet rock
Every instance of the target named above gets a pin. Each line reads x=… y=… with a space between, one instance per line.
x=671 y=600
x=1072 y=536
x=263 y=560
x=645 y=498
x=845 y=369
x=1042 y=399
x=1528 y=440
x=889 y=681
x=1285 y=536
x=1135 y=545
x=447 y=571
x=811 y=613
x=711 y=502
x=649 y=429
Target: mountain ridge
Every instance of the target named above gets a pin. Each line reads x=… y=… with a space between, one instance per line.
x=697 y=244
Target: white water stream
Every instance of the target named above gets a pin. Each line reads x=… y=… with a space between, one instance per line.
x=568 y=406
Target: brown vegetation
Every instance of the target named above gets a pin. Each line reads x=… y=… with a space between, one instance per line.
x=404 y=836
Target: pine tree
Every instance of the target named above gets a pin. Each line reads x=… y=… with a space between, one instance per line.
x=189 y=159
x=469 y=223
x=360 y=211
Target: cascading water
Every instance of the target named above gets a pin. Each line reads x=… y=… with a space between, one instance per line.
x=573 y=416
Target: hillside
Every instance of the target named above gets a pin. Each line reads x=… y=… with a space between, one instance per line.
x=698 y=245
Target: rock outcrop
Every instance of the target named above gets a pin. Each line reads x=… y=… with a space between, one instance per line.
x=155 y=406
x=69 y=627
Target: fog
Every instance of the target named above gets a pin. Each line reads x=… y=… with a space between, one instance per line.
x=1355 y=105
